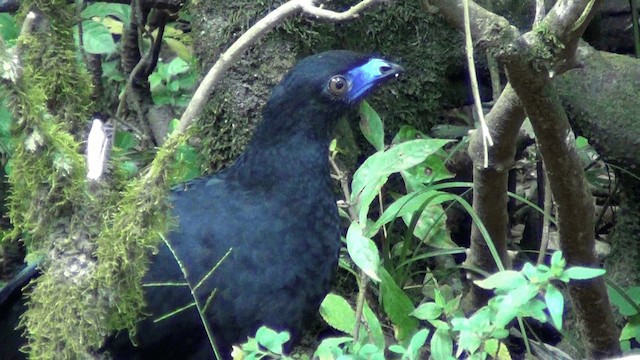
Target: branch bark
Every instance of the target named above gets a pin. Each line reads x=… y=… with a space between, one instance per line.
x=531 y=61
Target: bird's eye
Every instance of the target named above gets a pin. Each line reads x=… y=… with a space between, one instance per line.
x=338 y=85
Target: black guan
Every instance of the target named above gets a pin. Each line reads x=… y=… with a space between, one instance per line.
x=273 y=211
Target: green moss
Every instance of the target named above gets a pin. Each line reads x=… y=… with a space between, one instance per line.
x=141 y=219
x=404 y=31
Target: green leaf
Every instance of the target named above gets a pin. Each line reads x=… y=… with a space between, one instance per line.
x=441 y=345
x=271 y=339
x=417 y=342
x=129 y=168
x=363 y=251
x=329 y=349
x=185 y=53
x=429 y=171
x=371 y=126
x=177 y=66
x=125 y=140
x=555 y=303
x=101 y=9
x=556 y=260
x=373 y=173
x=427 y=311
x=97 y=38
x=632 y=329
x=398 y=306
x=376 y=335
x=503 y=280
x=431 y=228
x=622 y=303
x=9 y=30
x=337 y=312
x=583 y=273
x=408 y=204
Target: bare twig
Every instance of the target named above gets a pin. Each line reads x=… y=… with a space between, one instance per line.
x=364 y=279
x=264 y=25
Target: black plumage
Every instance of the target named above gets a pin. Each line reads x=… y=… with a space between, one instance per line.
x=275 y=211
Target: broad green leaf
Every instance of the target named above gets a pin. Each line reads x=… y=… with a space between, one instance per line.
x=427 y=311
x=363 y=251
x=623 y=305
x=337 y=312
x=555 y=303
x=503 y=280
x=371 y=126
x=102 y=9
x=441 y=345
x=97 y=38
x=373 y=173
x=583 y=273
x=398 y=306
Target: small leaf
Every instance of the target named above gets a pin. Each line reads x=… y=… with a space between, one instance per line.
x=583 y=273
x=371 y=126
x=503 y=280
x=556 y=259
x=427 y=311
x=363 y=251
x=555 y=303
x=271 y=339
x=337 y=312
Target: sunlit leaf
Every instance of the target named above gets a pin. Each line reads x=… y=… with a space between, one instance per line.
x=363 y=251
x=337 y=312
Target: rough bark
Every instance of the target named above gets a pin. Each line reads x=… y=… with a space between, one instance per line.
x=530 y=60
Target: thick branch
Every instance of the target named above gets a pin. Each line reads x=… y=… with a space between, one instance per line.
x=530 y=60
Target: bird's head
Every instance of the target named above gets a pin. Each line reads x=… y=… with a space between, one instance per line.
x=322 y=87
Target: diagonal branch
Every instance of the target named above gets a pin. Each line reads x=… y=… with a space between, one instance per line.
x=259 y=29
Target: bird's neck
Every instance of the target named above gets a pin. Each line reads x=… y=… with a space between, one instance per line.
x=269 y=164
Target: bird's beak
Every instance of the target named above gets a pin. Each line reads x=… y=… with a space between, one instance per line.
x=366 y=76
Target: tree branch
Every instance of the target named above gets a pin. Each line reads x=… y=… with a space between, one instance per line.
x=259 y=29
x=531 y=60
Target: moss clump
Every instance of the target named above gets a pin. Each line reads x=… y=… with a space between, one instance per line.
x=141 y=219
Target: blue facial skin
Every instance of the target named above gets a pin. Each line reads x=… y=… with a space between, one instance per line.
x=366 y=76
